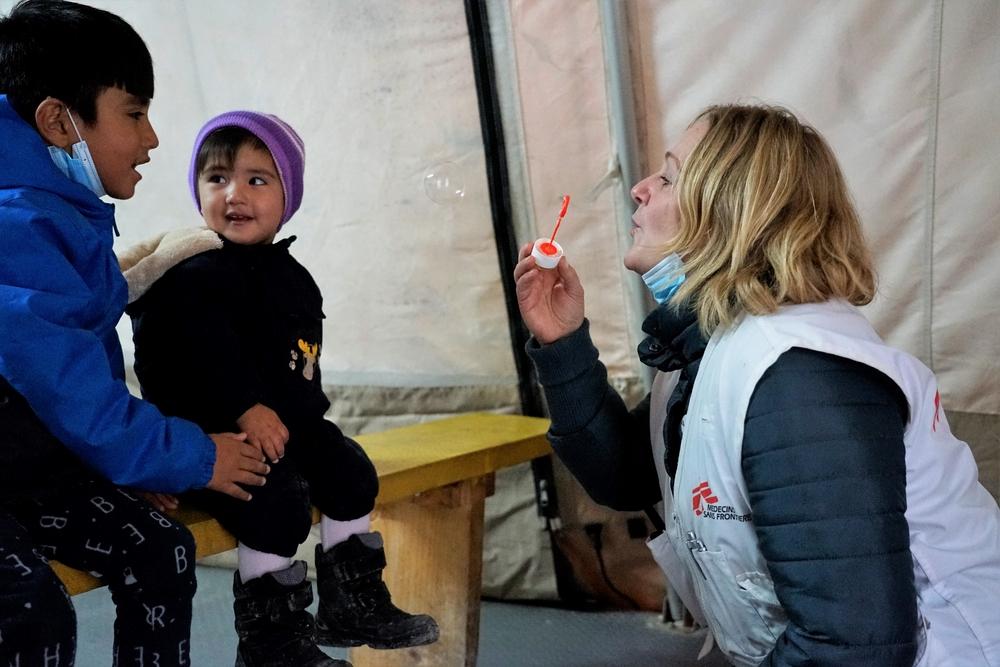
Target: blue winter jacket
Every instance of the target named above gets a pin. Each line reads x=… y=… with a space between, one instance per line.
x=61 y=296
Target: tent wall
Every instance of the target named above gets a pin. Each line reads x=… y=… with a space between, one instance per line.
x=906 y=93
x=964 y=275
x=395 y=223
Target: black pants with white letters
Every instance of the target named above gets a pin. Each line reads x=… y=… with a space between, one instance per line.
x=146 y=559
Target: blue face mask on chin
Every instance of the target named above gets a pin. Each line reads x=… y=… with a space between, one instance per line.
x=665 y=278
x=78 y=167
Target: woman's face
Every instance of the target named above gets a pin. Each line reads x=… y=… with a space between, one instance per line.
x=658 y=219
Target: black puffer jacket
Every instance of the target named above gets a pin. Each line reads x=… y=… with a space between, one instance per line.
x=824 y=462
x=229 y=328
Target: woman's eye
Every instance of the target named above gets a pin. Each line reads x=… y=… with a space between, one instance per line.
x=216 y=178
x=257 y=180
x=137 y=115
x=664 y=180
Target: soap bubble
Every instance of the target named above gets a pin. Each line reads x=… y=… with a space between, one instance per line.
x=443 y=183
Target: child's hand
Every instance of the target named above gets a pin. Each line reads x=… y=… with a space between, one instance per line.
x=161 y=501
x=264 y=429
x=236 y=462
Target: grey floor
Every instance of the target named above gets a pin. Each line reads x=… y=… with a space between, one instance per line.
x=511 y=635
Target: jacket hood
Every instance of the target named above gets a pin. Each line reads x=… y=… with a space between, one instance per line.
x=146 y=262
x=25 y=163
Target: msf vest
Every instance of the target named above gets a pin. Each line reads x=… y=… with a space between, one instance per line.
x=709 y=550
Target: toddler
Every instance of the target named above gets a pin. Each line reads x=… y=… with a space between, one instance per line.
x=230 y=338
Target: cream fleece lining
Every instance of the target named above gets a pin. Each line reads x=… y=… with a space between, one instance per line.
x=146 y=262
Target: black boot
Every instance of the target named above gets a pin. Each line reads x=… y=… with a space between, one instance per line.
x=354 y=605
x=274 y=628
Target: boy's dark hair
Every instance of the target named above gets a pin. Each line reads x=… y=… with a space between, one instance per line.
x=221 y=146
x=54 y=48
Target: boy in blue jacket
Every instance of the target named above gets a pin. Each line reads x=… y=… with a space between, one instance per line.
x=75 y=87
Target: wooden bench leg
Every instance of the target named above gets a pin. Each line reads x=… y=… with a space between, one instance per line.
x=434 y=549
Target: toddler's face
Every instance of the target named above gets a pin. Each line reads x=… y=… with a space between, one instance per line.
x=243 y=202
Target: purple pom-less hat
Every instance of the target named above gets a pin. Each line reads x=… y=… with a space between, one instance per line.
x=286 y=147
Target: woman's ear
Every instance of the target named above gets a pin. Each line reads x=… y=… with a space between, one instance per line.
x=51 y=122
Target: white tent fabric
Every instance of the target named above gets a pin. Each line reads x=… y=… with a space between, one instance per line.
x=395 y=223
x=905 y=92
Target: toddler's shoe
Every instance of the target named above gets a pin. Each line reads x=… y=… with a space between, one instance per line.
x=272 y=622
x=355 y=607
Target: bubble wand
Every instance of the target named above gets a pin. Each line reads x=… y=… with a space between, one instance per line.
x=547 y=253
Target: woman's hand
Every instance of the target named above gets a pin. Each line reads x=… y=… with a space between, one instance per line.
x=551 y=300
x=265 y=430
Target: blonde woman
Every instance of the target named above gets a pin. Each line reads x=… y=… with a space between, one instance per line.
x=817 y=508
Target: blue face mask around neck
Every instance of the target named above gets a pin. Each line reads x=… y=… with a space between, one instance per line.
x=79 y=167
x=665 y=278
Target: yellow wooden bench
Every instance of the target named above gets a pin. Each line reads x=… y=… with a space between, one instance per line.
x=433 y=481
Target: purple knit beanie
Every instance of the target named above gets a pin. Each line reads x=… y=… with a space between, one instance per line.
x=287 y=150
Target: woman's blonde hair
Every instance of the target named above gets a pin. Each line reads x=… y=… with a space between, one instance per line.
x=766 y=219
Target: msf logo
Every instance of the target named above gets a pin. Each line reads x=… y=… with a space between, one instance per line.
x=702 y=493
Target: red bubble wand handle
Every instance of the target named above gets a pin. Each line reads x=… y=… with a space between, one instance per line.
x=562 y=214
x=548 y=248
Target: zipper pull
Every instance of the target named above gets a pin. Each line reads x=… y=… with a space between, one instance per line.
x=694 y=544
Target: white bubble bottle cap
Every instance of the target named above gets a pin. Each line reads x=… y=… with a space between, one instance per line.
x=547 y=253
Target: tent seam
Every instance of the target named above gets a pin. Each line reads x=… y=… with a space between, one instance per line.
x=933 y=117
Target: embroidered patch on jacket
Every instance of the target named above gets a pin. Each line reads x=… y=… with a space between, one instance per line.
x=706 y=505
x=310 y=353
